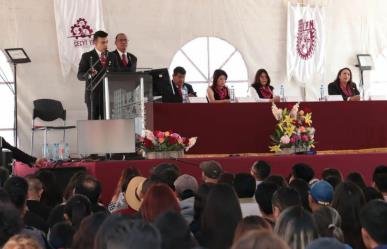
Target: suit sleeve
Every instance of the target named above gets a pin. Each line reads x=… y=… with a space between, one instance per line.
x=356 y=91
x=332 y=89
x=134 y=64
x=191 y=90
x=83 y=68
x=18 y=154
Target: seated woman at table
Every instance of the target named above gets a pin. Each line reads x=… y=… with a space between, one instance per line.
x=218 y=92
x=344 y=86
x=261 y=88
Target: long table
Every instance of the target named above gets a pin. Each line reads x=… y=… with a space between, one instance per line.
x=246 y=127
x=108 y=172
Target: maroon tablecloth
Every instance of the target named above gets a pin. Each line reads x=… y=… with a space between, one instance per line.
x=246 y=127
x=108 y=172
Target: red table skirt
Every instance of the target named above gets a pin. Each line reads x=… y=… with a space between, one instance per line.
x=108 y=172
x=246 y=127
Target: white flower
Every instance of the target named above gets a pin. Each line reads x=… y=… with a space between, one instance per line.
x=191 y=143
x=294 y=111
x=277 y=112
x=149 y=135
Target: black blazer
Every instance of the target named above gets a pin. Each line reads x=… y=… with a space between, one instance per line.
x=18 y=154
x=335 y=89
x=118 y=66
x=256 y=87
x=172 y=96
x=84 y=66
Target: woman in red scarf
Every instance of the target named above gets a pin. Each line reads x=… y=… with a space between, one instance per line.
x=218 y=91
x=261 y=88
x=344 y=86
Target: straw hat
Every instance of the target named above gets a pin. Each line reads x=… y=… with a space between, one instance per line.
x=133 y=192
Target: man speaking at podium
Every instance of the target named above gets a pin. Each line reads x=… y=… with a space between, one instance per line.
x=92 y=68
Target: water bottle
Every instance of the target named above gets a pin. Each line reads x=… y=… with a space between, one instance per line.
x=46 y=151
x=55 y=152
x=184 y=94
x=232 y=94
x=322 y=94
x=67 y=152
x=282 y=93
x=61 y=149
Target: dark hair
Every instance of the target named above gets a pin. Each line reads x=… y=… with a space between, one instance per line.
x=257 y=81
x=127 y=175
x=119 y=231
x=264 y=195
x=4 y=197
x=348 y=200
x=227 y=178
x=61 y=235
x=89 y=187
x=201 y=200
x=4 y=174
x=217 y=74
x=99 y=34
x=296 y=226
x=357 y=179
x=11 y=222
x=52 y=195
x=69 y=190
x=277 y=180
x=328 y=222
x=166 y=173
x=381 y=182
x=286 y=197
x=373 y=218
x=333 y=176
x=175 y=233
x=372 y=194
x=244 y=185
x=17 y=188
x=337 y=80
x=179 y=70
x=77 y=208
x=260 y=240
x=220 y=217
x=381 y=169
x=302 y=188
x=251 y=223
x=84 y=237
x=303 y=171
x=261 y=169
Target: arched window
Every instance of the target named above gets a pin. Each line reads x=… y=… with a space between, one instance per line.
x=7 y=102
x=203 y=55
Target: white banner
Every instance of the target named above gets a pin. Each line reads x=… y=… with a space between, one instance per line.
x=305 y=42
x=76 y=22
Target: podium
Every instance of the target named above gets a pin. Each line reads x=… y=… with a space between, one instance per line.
x=126 y=96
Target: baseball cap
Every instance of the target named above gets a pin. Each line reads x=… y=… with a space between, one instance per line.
x=186 y=182
x=212 y=169
x=322 y=192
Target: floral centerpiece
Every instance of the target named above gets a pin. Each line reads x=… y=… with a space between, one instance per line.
x=159 y=144
x=293 y=132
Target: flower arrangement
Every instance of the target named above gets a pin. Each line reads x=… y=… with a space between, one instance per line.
x=293 y=130
x=158 y=141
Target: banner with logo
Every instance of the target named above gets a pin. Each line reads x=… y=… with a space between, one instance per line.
x=76 y=22
x=305 y=42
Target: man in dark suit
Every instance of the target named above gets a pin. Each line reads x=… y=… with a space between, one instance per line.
x=92 y=68
x=173 y=92
x=122 y=61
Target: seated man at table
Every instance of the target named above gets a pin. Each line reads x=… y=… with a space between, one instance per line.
x=177 y=89
x=344 y=86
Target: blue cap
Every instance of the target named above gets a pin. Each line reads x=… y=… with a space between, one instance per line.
x=322 y=192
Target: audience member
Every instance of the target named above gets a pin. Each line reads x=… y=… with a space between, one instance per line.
x=11 y=222
x=76 y=209
x=166 y=173
x=357 y=179
x=284 y=198
x=260 y=240
x=227 y=178
x=263 y=196
x=371 y=193
x=373 y=218
x=51 y=195
x=244 y=185
x=302 y=171
x=381 y=184
x=260 y=170
x=87 y=231
x=320 y=195
x=250 y=224
x=330 y=243
x=186 y=188
x=61 y=235
x=22 y=242
x=134 y=194
x=328 y=222
x=278 y=180
x=302 y=188
x=35 y=191
x=212 y=171
x=199 y=204
x=333 y=176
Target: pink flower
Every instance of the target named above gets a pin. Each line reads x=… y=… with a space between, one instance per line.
x=285 y=139
x=305 y=138
x=302 y=129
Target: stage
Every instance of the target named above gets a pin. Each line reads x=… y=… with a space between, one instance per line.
x=108 y=172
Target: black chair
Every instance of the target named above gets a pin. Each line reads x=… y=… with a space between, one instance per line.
x=48 y=110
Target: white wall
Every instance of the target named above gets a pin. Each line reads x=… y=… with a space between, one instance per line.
x=157 y=28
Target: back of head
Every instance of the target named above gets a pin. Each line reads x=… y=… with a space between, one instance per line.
x=333 y=176
x=261 y=170
x=278 y=180
x=296 y=226
x=221 y=215
x=244 y=185
x=186 y=183
x=17 y=188
x=212 y=169
x=286 y=197
x=303 y=171
x=323 y=243
x=201 y=199
x=35 y=186
x=127 y=175
x=227 y=178
x=328 y=222
x=357 y=179
x=22 y=241
x=373 y=219
x=11 y=222
x=76 y=209
x=84 y=237
x=51 y=195
x=61 y=235
x=249 y=224
x=260 y=240
x=302 y=188
x=381 y=169
x=69 y=190
x=166 y=173
x=158 y=199
x=264 y=195
x=89 y=187
x=381 y=182
x=120 y=232
x=174 y=230
x=372 y=194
